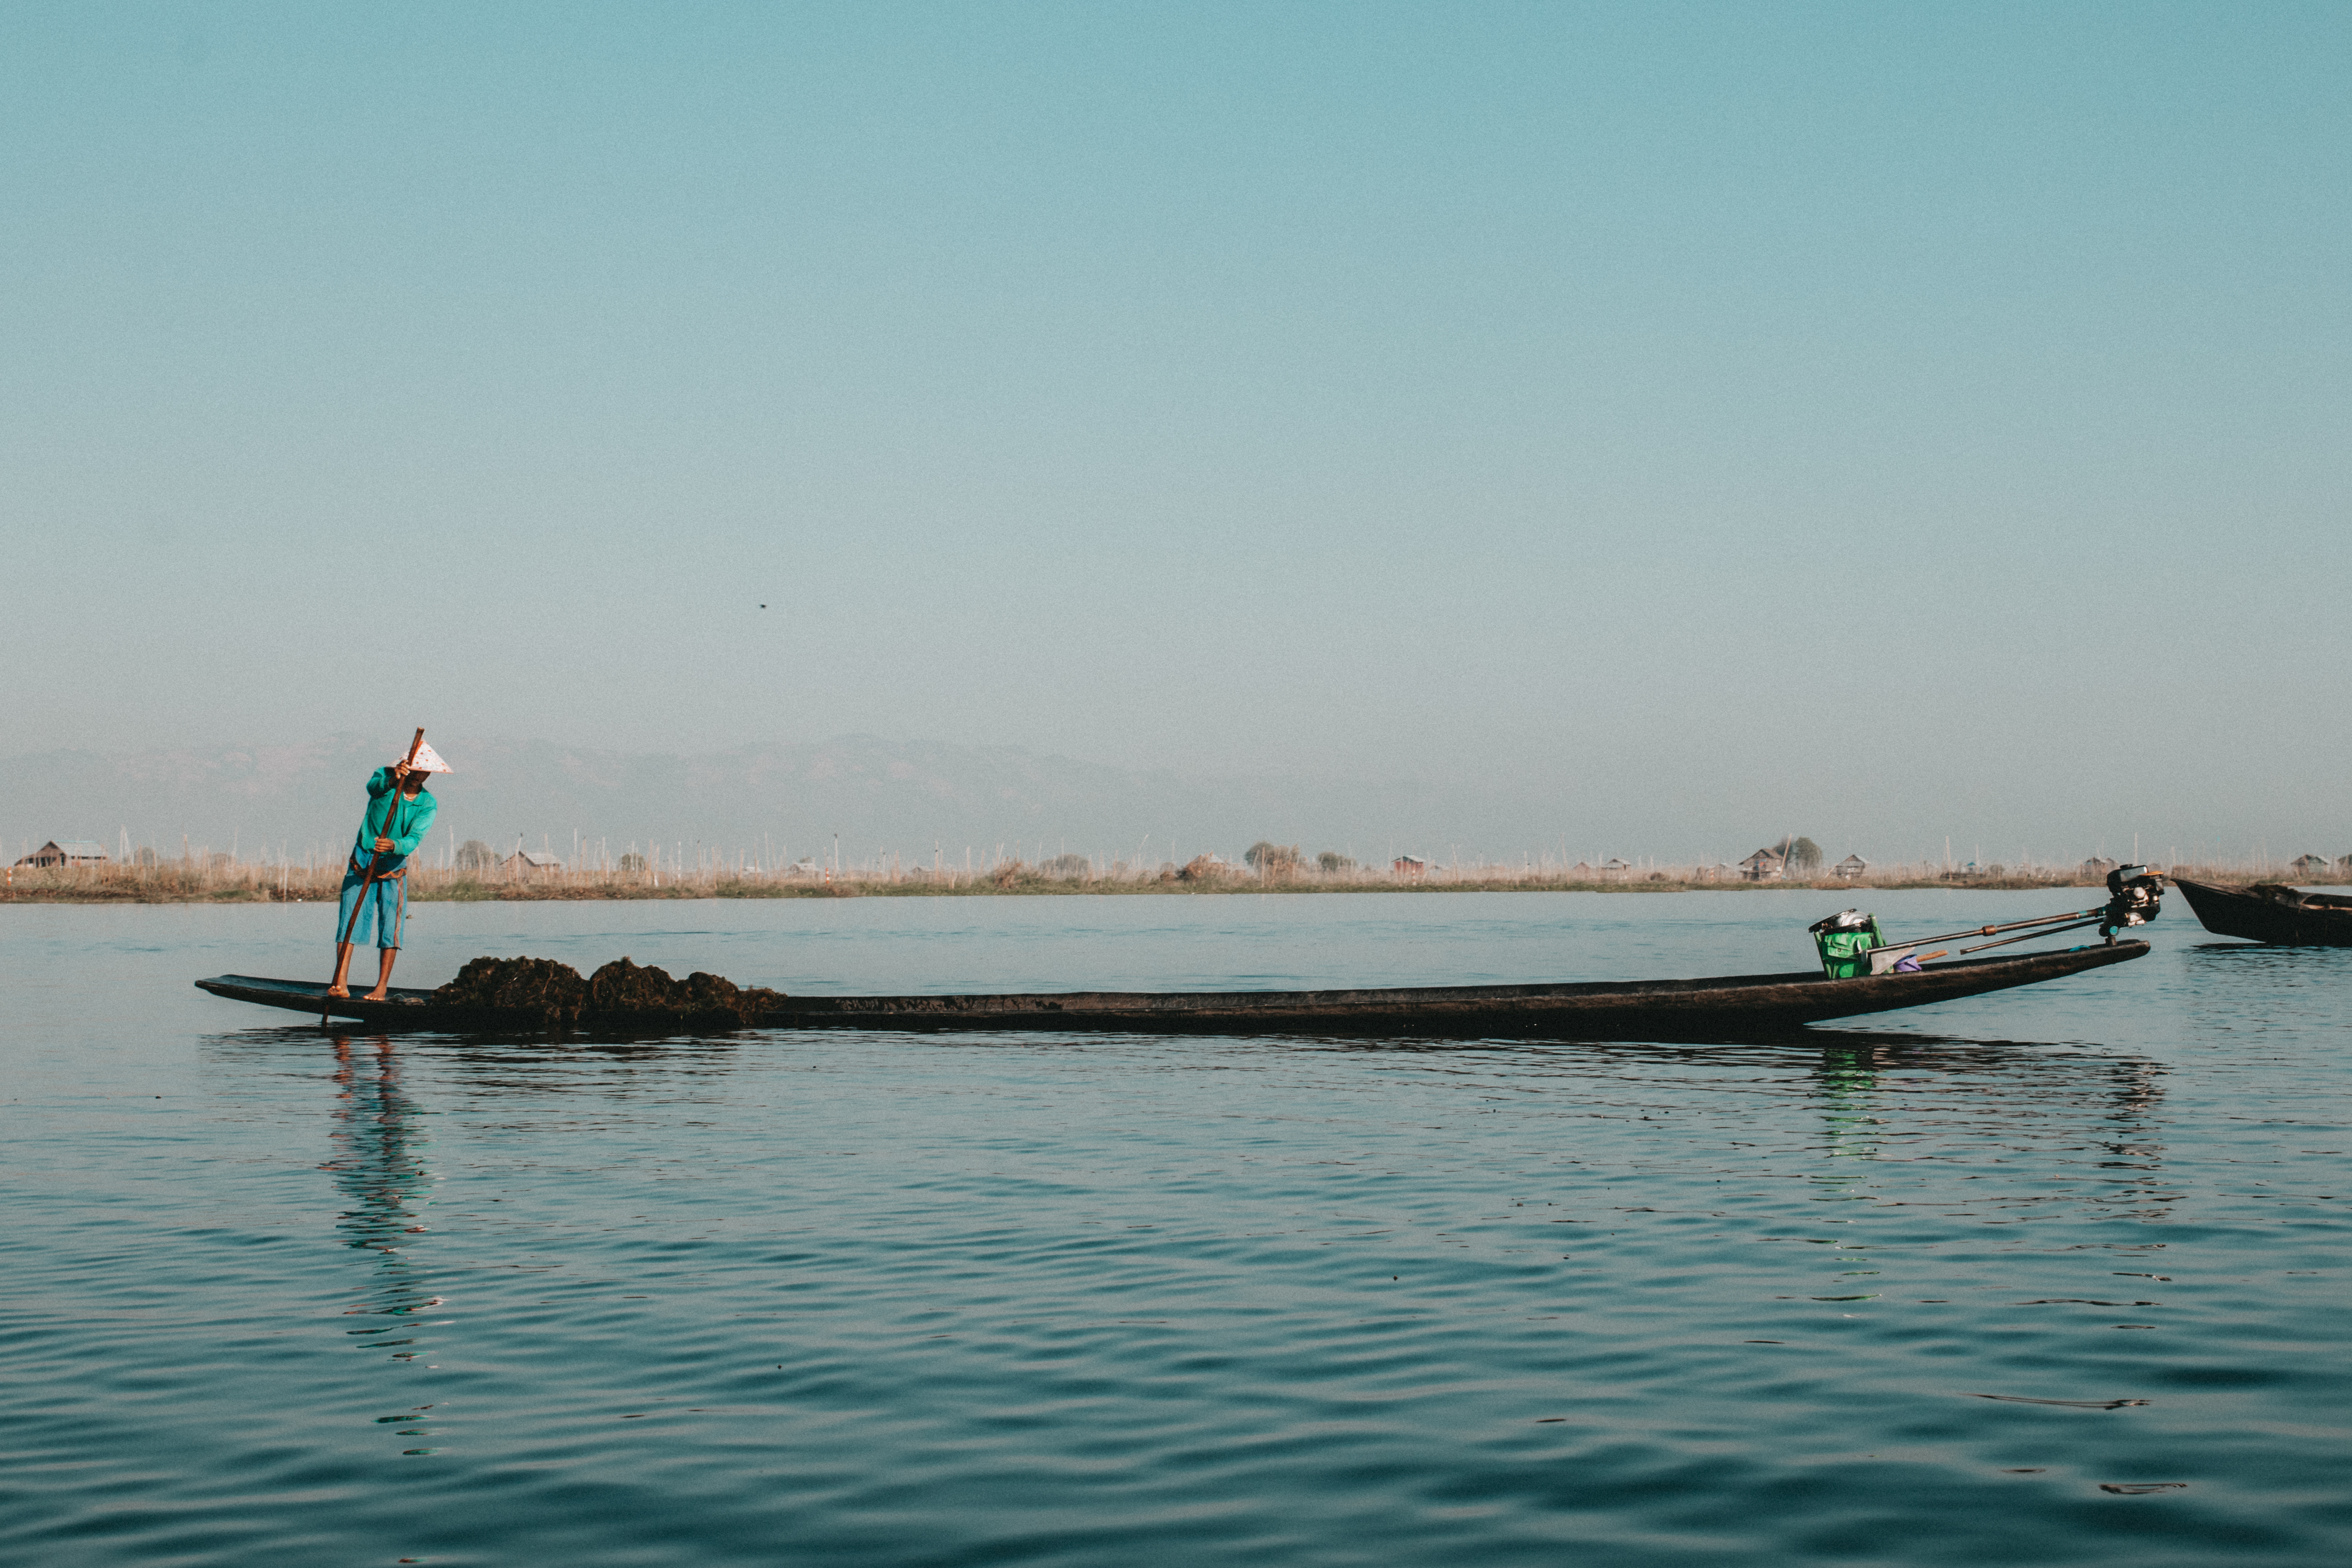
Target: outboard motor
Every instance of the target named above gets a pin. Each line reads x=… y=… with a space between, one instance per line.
x=2138 y=899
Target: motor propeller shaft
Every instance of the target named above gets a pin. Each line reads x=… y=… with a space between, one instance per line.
x=2137 y=897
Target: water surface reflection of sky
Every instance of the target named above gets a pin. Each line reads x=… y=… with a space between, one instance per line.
x=1939 y=1278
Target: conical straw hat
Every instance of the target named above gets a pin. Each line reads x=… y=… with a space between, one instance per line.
x=429 y=761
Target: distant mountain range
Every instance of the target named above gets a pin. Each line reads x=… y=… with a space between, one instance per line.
x=779 y=801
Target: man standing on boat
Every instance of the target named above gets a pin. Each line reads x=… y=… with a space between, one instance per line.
x=375 y=882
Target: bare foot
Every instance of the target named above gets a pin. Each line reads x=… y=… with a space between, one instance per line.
x=339 y=991
x=374 y=995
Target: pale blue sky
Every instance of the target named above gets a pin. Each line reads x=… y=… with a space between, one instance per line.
x=1690 y=410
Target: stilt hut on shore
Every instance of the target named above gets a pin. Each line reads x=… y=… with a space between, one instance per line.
x=72 y=852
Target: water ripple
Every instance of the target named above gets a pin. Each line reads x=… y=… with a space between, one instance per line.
x=2049 y=1276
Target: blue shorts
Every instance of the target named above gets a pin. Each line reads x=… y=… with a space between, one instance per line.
x=379 y=912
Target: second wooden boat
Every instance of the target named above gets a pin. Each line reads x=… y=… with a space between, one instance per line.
x=2271 y=913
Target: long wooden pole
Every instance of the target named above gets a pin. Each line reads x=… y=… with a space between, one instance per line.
x=1996 y=930
x=327 y=1004
x=2033 y=935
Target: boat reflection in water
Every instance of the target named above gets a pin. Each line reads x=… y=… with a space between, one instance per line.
x=2104 y=1107
x=1846 y=1079
x=379 y=1167
x=1881 y=1094
x=1880 y=1098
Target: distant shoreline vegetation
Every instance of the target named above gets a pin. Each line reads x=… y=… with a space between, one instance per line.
x=473 y=875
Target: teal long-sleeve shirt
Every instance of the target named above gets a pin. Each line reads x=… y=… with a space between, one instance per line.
x=409 y=820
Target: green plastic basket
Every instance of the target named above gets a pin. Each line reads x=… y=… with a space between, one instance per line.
x=1846 y=953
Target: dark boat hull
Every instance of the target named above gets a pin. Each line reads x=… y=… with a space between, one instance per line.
x=2264 y=917
x=1728 y=1007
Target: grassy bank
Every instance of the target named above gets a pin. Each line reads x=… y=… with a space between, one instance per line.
x=221 y=880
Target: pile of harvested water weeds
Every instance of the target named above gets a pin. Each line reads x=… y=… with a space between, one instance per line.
x=621 y=994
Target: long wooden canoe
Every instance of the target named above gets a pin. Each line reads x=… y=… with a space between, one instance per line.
x=2269 y=913
x=1728 y=1008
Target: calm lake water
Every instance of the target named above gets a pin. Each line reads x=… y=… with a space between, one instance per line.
x=1950 y=1286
